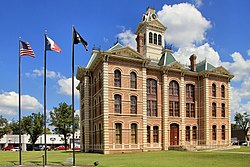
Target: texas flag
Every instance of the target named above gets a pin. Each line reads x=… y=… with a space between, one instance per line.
x=51 y=45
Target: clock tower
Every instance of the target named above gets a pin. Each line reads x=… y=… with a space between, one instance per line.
x=150 y=35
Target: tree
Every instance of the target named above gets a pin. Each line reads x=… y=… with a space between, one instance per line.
x=243 y=121
x=3 y=126
x=33 y=126
x=14 y=127
x=61 y=119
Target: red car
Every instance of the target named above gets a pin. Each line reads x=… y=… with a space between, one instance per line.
x=77 y=148
x=8 y=148
x=62 y=148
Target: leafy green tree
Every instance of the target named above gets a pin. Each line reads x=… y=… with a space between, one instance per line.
x=14 y=127
x=3 y=126
x=33 y=126
x=243 y=121
x=61 y=119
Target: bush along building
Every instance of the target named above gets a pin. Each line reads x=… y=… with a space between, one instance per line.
x=142 y=100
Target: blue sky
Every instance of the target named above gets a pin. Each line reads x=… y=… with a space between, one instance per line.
x=215 y=30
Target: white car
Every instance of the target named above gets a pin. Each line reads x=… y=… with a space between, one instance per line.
x=15 y=149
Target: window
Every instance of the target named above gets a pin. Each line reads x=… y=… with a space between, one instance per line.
x=100 y=134
x=151 y=97
x=133 y=83
x=214 y=109
x=223 y=132
x=156 y=134
x=152 y=108
x=134 y=133
x=159 y=40
x=148 y=107
x=133 y=104
x=222 y=91
x=190 y=112
x=148 y=134
x=118 y=133
x=171 y=108
x=214 y=90
x=223 y=110
x=174 y=109
x=118 y=104
x=190 y=92
x=151 y=86
x=144 y=38
x=174 y=88
x=154 y=86
x=148 y=86
x=117 y=80
x=187 y=133
x=155 y=38
x=150 y=37
x=100 y=105
x=194 y=135
x=214 y=132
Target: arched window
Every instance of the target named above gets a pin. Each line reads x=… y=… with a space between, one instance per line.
x=150 y=37
x=159 y=40
x=133 y=80
x=174 y=109
x=223 y=132
x=214 y=109
x=118 y=104
x=222 y=91
x=223 y=114
x=134 y=133
x=148 y=134
x=187 y=133
x=133 y=104
x=117 y=78
x=194 y=135
x=118 y=133
x=214 y=132
x=156 y=134
x=213 y=90
x=155 y=38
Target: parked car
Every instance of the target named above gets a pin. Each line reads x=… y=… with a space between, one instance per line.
x=62 y=148
x=40 y=148
x=77 y=148
x=15 y=149
x=8 y=148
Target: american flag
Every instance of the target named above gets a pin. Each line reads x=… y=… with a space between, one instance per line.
x=25 y=49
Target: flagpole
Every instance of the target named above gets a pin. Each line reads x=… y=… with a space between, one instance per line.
x=73 y=111
x=19 y=102
x=44 y=111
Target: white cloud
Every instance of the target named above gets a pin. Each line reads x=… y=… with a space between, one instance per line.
x=127 y=37
x=49 y=74
x=202 y=52
x=9 y=103
x=185 y=24
x=198 y=3
x=65 y=85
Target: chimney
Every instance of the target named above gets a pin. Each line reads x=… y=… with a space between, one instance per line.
x=139 y=40
x=193 y=62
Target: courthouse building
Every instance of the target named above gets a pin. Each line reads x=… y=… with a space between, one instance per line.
x=142 y=100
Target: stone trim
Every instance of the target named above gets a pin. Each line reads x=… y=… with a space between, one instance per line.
x=229 y=112
x=144 y=108
x=165 y=126
x=206 y=108
x=182 y=110
x=86 y=113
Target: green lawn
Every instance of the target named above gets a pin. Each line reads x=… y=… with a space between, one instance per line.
x=157 y=158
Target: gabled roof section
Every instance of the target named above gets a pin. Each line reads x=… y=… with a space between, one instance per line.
x=117 y=45
x=125 y=51
x=203 y=66
x=166 y=58
x=221 y=70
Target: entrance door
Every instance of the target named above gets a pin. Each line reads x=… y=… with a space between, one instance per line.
x=174 y=134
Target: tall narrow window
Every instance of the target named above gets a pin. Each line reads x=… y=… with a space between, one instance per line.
x=187 y=133
x=176 y=109
x=150 y=37
x=148 y=134
x=117 y=78
x=155 y=38
x=133 y=104
x=154 y=108
x=118 y=104
x=223 y=110
x=151 y=97
x=187 y=109
x=171 y=108
x=156 y=134
x=134 y=133
x=222 y=91
x=214 y=109
x=118 y=133
x=148 y=108
x=192 y=110
x=213 y=90
x=214 y=132
x=174 y=88
x=144 y=38
x=223 y=132
x=133 y=83
x=174 y=99
x=154 y=86
x=159 y=40
x=194 y=134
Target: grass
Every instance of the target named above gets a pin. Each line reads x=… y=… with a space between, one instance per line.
x=157 y=158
